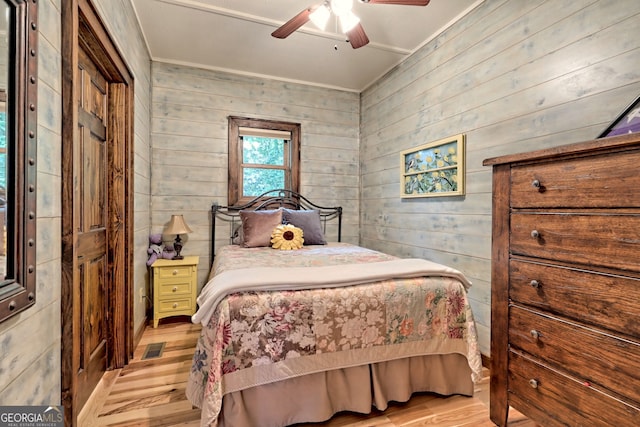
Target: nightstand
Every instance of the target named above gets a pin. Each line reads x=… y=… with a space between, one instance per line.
x=174 y=287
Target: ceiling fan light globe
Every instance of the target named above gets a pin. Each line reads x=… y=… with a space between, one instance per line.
x=320 y=16
x=341 y=7
x=348 y=21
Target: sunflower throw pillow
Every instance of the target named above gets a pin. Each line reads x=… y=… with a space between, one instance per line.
x=287 y=237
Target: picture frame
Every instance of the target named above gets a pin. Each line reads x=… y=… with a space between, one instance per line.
x=435 y=169
x=627 y=122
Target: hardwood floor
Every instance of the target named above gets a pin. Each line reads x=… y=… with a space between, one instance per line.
x=152 y=393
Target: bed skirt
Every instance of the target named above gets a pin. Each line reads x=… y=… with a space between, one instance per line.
x=317 y=397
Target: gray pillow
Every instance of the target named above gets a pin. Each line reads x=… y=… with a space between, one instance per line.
x=309 y=222
x=257 y=227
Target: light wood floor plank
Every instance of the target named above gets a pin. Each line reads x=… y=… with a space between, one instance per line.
x=151 y=393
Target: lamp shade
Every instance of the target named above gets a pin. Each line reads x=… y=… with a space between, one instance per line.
x=177 y=226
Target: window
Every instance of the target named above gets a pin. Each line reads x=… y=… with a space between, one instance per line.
x=263 y=155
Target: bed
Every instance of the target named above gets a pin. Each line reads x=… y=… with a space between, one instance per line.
x=294 y=336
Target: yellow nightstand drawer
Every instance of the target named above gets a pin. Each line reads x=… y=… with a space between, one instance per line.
x=175 y=305
x=178 y=272
x=175 y=283
x=171 y=289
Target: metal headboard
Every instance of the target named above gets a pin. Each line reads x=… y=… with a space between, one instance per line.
x=272 y=199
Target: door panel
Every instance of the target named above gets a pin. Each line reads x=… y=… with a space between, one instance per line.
x=91 y=228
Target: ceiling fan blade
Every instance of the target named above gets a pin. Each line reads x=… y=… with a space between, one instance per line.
x=293 y=24
x=400 y=2
x=357 y=36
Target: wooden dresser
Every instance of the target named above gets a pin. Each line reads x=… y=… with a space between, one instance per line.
x=565 y=302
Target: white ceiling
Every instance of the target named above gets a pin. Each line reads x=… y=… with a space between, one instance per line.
x=235 y=36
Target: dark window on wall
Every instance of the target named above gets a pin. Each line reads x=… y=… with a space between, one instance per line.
x=263 y=155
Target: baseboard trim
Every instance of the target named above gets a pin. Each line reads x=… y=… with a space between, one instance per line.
x=137 y=335
x=486 y=361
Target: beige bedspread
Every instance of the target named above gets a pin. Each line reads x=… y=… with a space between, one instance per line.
x=325 y=308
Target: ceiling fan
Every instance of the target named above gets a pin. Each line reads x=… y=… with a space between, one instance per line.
x=320 y=13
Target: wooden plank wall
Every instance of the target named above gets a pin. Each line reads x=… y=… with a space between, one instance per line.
x=513 y=76
x=189 y=114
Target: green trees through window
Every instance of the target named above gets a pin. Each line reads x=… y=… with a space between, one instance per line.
x=258 y=152
x=264 y=155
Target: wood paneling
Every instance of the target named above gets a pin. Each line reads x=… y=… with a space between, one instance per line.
x=190 y=111
x=513 y=77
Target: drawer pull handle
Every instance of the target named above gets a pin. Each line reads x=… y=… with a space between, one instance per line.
x=533 y=383
x=535 y=334
x=175 y=288
x=174 y=272
x=535 y=284
x=535 y=234
x=175 y=305
x=535 y=183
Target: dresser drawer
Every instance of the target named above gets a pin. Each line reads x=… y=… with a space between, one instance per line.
x=178 y=271
x=554 y=399
x=611 y=302
x=601 y=240
x=604 y=181
x=166 y=306
x=168 y=290
x=585 y=353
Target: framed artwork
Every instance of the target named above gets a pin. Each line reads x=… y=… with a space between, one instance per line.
x=433 y=170
x=627 y=122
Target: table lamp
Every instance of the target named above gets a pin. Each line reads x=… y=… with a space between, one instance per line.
x=177 y=226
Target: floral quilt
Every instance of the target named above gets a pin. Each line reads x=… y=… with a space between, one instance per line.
x=258 y=337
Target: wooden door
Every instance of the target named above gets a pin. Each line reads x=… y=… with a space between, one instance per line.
x=92 y=280
x=97 y=207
